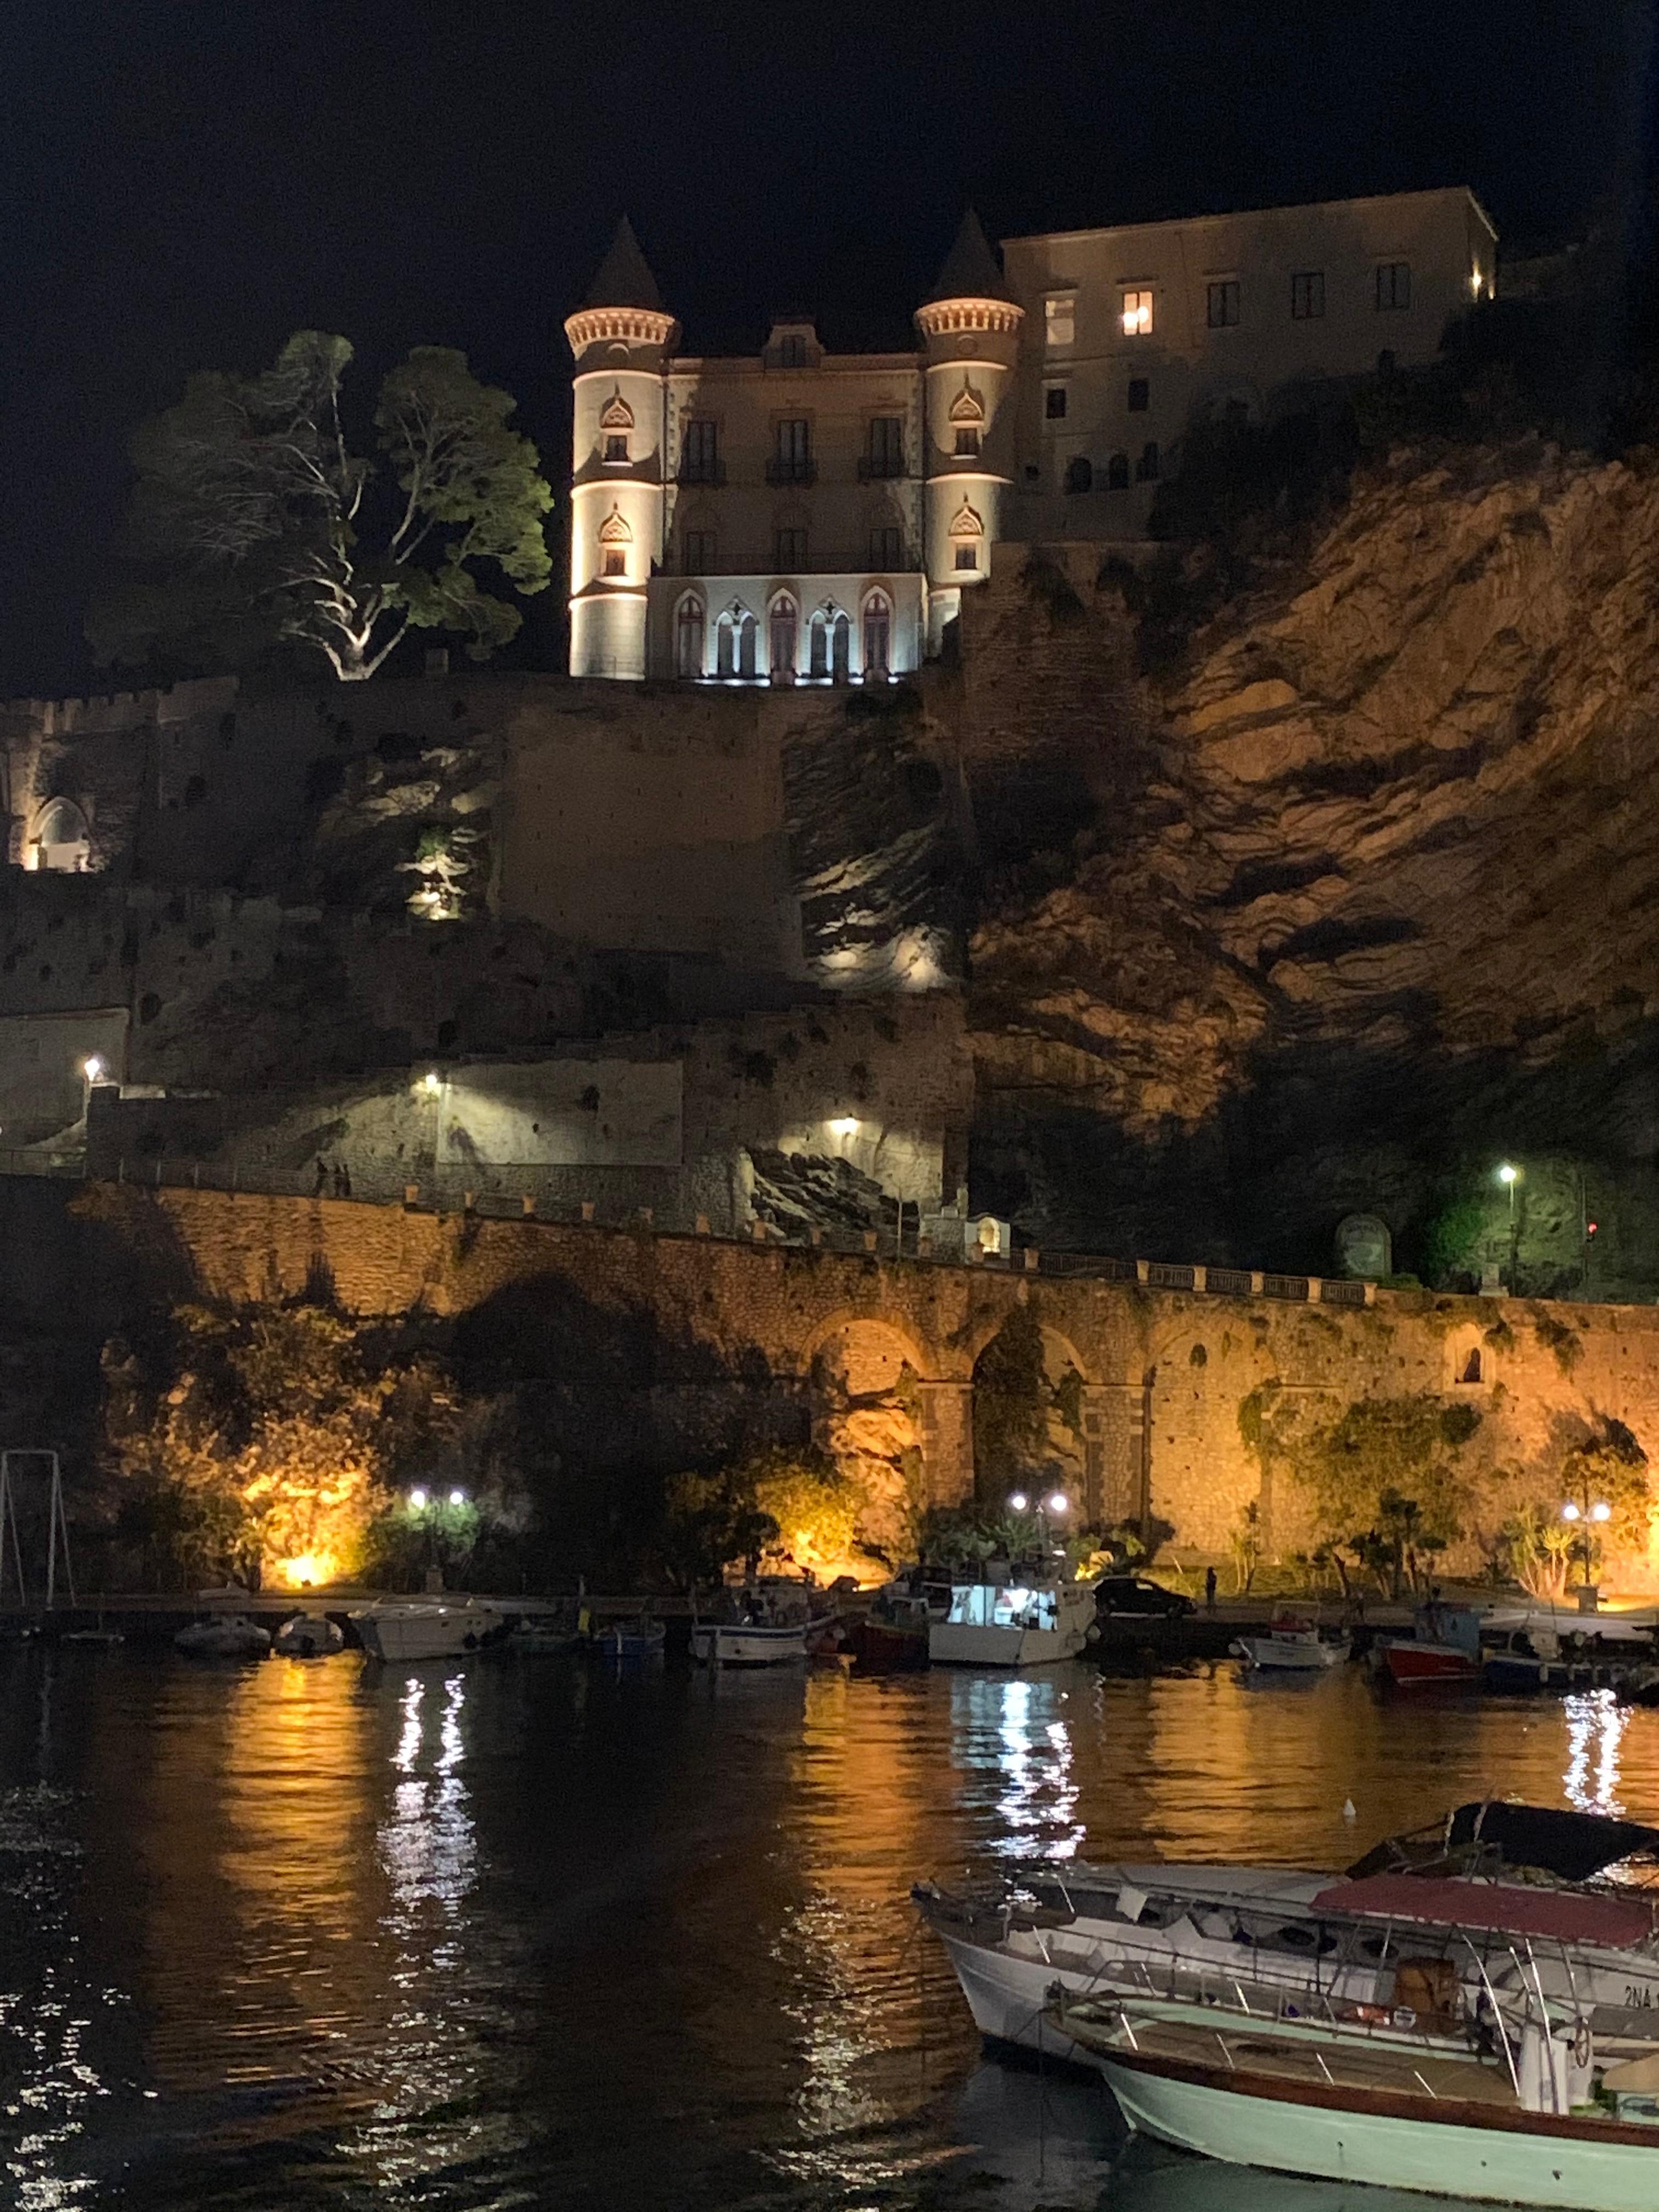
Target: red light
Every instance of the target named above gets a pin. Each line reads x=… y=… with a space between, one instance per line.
x=1590 y=1228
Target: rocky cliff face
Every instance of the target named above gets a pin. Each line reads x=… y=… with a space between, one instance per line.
x=1382 y=895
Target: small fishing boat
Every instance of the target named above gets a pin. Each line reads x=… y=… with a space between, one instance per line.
x=891 y=1638
x=1512 y=2109
x=543 y=1639
x=642 y=1638
x=1443 y=1649
x=426 y=1628
x=309 y=1636
x=1022 y=1618
x=231 y=1636
x=763 y=1628
x=1292 y=1645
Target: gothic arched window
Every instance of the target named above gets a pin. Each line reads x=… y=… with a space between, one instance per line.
x=841 y=649
x=61 y=841
x=878 y=636
x=817 y=647
x=783 y=631
x=1079 y=473
x=688 y=637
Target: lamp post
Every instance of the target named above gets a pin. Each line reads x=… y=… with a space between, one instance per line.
x=1509 y=1175
x=1582 y=1514
x=1056 y=1502
x=425 y=1509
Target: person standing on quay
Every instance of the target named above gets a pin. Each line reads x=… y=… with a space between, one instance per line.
x=1209 y=1589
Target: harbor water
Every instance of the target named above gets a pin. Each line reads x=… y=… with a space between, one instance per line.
x=541 y=1933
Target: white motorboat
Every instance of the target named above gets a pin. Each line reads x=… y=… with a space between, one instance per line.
x=748 y=1644
x=1292 y=1646
x=231 y=1636
x=1206 y=1931
x=1012 y=1623
x=309 y=1636
x=426 y=1628
x=1512 y=2109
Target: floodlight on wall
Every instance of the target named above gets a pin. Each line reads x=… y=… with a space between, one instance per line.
x=844 y=1125
x=92 y=1066
x=432 y=1082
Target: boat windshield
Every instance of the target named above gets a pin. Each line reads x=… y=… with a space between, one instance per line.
x=995 y=1605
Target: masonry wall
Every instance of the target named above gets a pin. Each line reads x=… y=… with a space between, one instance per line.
x=1162 y=1426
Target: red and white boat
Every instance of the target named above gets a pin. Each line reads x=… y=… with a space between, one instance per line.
x=1442 y=1649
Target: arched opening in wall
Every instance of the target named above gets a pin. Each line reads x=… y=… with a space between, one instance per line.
x=877 y=637
x=783 y=630
x=867 y=1413
x=1028 y=1418
x=840 y=647
x=748 y=628
x=1117 y=472
x=1468 y=1359
x=688 y=637
x=1079 y=473
x=60 y=840
x=817 y=653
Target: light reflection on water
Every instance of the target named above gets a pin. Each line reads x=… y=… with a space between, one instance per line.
x=524 y=1933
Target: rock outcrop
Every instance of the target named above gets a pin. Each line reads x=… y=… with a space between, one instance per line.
x=1386 y=891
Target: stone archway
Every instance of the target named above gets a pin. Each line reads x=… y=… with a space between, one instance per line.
x=870 y=1404
x=1031 y=1394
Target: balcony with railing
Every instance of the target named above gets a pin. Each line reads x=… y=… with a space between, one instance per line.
x=701 y=471
x=791 y=469
x=881 y=468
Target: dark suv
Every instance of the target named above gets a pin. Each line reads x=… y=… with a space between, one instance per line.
x=1127 y=1597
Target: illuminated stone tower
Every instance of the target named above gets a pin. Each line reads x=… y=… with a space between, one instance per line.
x=621 y=336
x=970 y=326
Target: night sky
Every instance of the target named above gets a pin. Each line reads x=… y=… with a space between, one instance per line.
x=188 y=184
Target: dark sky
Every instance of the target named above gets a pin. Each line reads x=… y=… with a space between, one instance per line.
x=183 y=184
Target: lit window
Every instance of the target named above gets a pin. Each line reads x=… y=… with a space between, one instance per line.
x=1140 y=395
x=1079 y=474
x=1307 y=296
x=616 y=447
x=967 y=442
x=1138 y=313
x=877 y=634
x=967 y=556
x=887 y=546
x=615 y=563
x=1053 y=402
x=1393 y=285
x=1146 y=466
x=790 y=548
x=699 y=553
x=1060 y=320
x=1223 y=304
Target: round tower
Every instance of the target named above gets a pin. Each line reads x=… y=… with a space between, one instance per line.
x=969 y=324
x=621 y=336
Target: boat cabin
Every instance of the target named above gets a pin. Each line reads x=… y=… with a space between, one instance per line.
x=1003 y=1605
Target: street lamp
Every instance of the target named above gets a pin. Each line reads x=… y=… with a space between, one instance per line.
x=1509 y=1175
x=1056 y=1502
x=1582 y=1516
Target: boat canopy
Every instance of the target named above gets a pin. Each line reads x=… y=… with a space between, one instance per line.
x=1503 y=1910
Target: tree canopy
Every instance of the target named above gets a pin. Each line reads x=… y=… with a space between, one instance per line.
x=252 y=518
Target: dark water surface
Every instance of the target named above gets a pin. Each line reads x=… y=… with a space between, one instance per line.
x=533 y=1933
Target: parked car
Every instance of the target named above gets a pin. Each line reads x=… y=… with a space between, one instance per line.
x=1131 y=1597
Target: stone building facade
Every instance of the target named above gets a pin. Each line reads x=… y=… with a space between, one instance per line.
x=799 y=516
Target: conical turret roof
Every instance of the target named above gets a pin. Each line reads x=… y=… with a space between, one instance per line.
x=624 y=278
x=971 y=270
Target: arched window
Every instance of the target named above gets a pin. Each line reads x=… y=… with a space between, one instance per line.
x=747 y=627
x=840 y=648
x=1146 y=466
x=725 y=647
x=1117 y=472
x=878 y=636
x=783 y=629
x=688 y=637
x=818 y=655
x=1079 y=473
x=615 y=538
x=60 y=840
x=1470 y=1370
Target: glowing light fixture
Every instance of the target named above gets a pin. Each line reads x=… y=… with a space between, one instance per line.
x=308 y=1569
x=1600 y=1511
x=1018 y=1500
x=1059 y=1503
x=458 y=1498
x=844 y=1125
x=434 y=1082
x=417 y=1499
x=92 y=1066
x=1508 y=1174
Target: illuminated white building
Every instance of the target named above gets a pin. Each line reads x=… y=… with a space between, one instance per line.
x=799 y=516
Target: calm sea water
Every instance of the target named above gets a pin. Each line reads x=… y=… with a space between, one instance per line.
x=535 y=1934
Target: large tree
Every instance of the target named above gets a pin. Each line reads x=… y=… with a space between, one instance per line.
x=252 y=518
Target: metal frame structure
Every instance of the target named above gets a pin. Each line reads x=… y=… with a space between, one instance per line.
x=57 y=1527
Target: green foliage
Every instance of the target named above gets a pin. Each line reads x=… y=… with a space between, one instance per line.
x=813 y=1504
x=1013 y=1404
x=1562 y=1338
x=252 y=519
x=1501 y=1336
x=1535 y=1547
x=1452 y=1240
x=1381 y=1457
x=244 y=1436
x=710 y=1521
x=1245 y=1542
